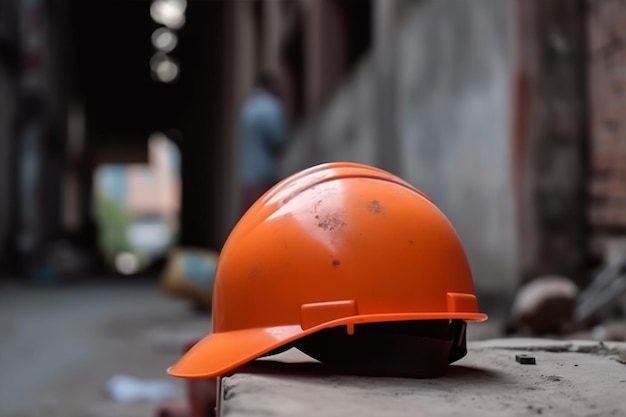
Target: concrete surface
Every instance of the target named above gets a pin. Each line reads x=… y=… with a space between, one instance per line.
x=569 y=379
x=60 y=346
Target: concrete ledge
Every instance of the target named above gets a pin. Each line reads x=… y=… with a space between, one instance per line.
x=570 y=378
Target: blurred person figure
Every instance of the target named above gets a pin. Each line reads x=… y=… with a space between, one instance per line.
x=263 y=137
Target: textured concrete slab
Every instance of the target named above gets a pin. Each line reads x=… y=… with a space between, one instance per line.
x=570 y=378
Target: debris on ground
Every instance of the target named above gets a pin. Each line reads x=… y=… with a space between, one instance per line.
x=189 y=274
x=607 y=291
x=544 y=306
x=128 y=389
x=553 y=305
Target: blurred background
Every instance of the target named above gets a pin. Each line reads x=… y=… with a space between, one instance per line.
x=121 y=134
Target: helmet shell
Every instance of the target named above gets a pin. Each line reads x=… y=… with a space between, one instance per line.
x=337 y=244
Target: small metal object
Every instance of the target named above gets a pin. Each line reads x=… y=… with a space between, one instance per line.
x=525 y=359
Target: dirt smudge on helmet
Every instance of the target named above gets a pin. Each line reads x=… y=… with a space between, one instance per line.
x=336 y=262
x=376 y=207
x=330 y=222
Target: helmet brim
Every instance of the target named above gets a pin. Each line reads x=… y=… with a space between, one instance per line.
x=221 y=353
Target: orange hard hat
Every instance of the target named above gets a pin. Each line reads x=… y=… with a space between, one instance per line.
x=336 y=245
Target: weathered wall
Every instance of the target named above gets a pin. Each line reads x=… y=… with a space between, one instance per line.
x=452 y=124
x=6 y=122
x=550 y=138
x=606 y=61
x=8 y=64
x=343 y=130
x=454 y=87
